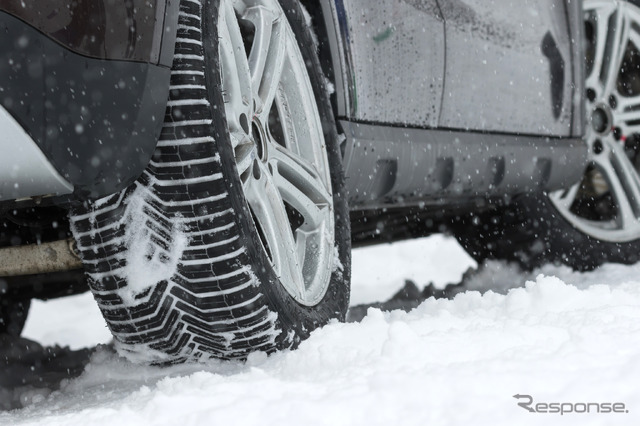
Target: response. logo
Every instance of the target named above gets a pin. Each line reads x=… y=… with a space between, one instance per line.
x=562 y=408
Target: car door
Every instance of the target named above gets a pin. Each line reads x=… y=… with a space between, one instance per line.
x=509 y=66
x=395 y=52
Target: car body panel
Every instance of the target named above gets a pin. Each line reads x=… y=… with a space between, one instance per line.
x=456 y=50
x=106 y=29
x=377 y=37
x=515 y=71
x=95 y=110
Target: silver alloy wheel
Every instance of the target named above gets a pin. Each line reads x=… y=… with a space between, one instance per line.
x=278 y=143
x=613 y=107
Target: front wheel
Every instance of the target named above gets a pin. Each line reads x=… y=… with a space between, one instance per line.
x=236 y=238
x=596 y=220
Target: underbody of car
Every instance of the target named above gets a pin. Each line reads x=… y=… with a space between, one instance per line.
x=234 y=151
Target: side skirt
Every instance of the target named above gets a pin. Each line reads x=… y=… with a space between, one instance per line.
x=401 y=167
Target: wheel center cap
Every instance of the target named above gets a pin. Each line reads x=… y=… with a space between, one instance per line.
x=601 y=120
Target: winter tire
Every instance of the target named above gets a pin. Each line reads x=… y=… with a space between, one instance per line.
x=236 y=238
x=596 y=220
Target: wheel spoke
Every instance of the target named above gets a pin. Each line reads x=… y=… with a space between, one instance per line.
x=612 y=35
x=630 y=110
x=629 y=129
x=245 y=156
x=300 y=186
x=601 y=21
x=623 y=182
x=236 y=79
x=565 y=199
x=628 y=114
x=627 y=103
x=267 y=55
x=619 y=35
x=268 y=207
x=302 y=239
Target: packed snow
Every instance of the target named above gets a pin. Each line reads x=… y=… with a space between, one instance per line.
x=565 y=339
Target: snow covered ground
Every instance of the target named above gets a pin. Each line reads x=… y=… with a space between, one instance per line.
x=558 y=336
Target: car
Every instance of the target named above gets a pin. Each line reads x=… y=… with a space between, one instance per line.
x=204 y=167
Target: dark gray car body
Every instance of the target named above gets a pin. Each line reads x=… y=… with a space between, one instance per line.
x=445 y=101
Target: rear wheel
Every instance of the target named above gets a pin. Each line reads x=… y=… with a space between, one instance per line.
x=236 y=238
x=596 y=220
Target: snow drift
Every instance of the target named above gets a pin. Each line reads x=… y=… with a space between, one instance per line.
x=560 y=337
